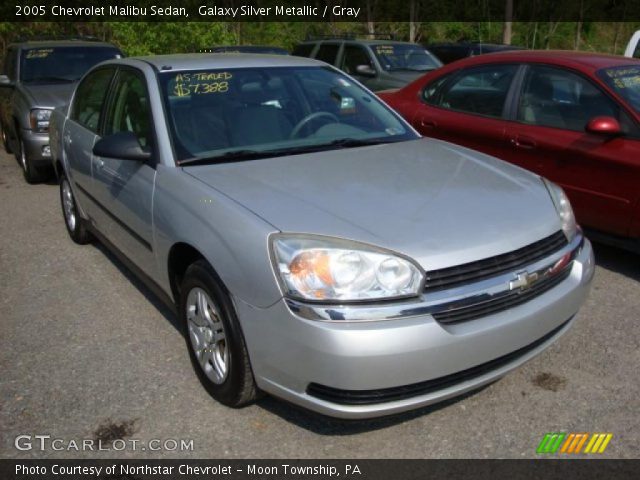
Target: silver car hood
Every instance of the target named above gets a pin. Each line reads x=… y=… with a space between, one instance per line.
x=436 y=202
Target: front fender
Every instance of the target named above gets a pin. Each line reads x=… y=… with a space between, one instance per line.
x=232 y=239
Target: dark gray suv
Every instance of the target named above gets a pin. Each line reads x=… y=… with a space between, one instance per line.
x=38 y=76
x=378 y=64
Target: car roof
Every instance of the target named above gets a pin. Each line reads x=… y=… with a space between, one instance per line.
x=357 y=40
x=585 y=61
x=62 y=43
x=200 y=61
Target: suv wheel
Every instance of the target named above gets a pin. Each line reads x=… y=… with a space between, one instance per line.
x=214 y=338
x=74 y=222
x=31 y=174
x=5 y=140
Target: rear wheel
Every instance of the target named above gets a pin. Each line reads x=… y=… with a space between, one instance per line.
x=74 y=222
x=216 y=345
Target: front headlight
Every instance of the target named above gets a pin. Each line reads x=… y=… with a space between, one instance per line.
x=327 y=269
x=39 y=119
x=563 y=206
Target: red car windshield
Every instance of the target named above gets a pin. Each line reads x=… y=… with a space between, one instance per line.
x=625 y=81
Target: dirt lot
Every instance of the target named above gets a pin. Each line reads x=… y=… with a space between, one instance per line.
x=87 y=352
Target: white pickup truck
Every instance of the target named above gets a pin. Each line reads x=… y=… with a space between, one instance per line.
x=633 y=47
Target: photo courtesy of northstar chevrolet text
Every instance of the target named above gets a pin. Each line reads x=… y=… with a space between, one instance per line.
x=361 y=228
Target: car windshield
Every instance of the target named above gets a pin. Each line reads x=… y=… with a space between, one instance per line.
x=625 y=81
x=61 y=64
x=248 y=113
x=405 y=57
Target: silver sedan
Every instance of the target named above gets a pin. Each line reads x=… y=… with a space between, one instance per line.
x=313 y=245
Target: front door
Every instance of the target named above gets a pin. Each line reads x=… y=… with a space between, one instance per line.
x=599 y=173
x=125 y=187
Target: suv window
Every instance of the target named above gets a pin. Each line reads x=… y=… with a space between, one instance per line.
x=303 y=50
x=481 y=90
x=61 y=64
x=328 y=52
x=130 y=110
x=554 y=97
x=354 y=56
x=89 y=98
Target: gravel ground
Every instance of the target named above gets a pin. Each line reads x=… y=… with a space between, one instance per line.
x=87 y=352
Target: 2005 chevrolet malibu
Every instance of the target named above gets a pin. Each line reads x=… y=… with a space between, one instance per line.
x=314 y=246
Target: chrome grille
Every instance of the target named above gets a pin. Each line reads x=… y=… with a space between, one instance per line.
x=502 y=302
x=472 y=272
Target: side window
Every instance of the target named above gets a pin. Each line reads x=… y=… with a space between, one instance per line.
x=554 y=97
x=430 y=92
x=129 y=110
x=327 y=52
x=89 y=98
x=303 y=50
x=481 y=91
x=354 y=56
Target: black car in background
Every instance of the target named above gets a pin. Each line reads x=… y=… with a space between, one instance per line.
x=450 y=52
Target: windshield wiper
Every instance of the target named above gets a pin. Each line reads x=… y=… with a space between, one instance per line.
x=231 y=156
x=238 y=155
x=50 y=79
x=411 y=69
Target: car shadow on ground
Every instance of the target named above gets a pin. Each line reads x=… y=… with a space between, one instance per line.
x=323 y=425
x=617 y=260
x=166 y=312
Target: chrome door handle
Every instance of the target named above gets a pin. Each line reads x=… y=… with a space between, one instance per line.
x=67 y=139
x=99 y=163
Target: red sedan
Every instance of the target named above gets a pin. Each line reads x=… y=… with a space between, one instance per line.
x=571 y=117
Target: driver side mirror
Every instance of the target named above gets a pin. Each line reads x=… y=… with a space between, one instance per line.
x=607 y=126
x=121 y=146
x=365 y=71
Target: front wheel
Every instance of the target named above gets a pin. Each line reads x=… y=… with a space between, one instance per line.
x=74 y=222
x=31 y=173
x=214 y=338
x=5 y=139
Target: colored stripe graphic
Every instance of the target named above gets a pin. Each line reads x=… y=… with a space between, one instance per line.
x=572 y=443
x=550 y=443
x=598 y=443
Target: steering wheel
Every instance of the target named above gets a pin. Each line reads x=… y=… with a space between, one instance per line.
x=309 y=118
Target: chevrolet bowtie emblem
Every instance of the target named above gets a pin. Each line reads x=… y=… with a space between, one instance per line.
x=523 y=281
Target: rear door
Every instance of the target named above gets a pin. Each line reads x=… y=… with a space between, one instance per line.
x=599 y=173
x=467 y=107
x=80 y=134
x=124 y=188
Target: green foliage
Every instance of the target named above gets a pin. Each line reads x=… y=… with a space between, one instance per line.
x=145 y=38
x=137 y=38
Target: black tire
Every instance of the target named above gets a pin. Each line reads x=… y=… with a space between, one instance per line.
x=5 y=140
x=77 y=228
x=31 y=173
x=238 y=387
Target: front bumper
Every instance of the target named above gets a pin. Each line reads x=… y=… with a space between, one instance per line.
x=36 y=147
x=289 y=352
